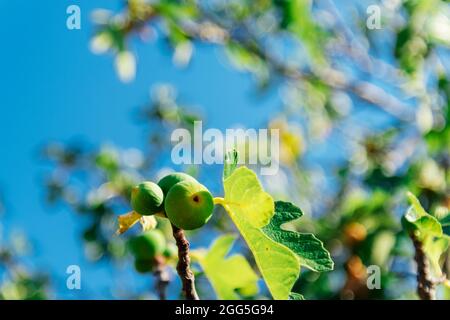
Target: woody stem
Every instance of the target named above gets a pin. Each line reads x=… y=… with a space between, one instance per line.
x=183 y=266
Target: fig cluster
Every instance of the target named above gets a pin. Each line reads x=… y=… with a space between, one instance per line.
x=181 y=198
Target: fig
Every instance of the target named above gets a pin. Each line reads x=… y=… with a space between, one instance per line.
x=147 y=198
x=189 y=205
x=147 y=245
x=172 y=179
x=170 y=251
x=144 y=265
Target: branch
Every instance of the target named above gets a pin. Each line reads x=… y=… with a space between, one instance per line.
x=426 y=288
x=162 y=278
x=335 y=79
x=212 y=30
x=183 y=269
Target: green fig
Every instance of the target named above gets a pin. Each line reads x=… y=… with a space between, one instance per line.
x=147 y=245
x=172 y=179
x=147 y=198
x=170 y=251
x=189 y=205
x=107 y=159
x=143 y=265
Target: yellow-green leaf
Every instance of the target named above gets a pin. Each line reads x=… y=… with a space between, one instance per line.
x=428 y=231
x=251 y=208
x=126 y=221
x=246 y=198
x=434 y=248
x=419 y=221
x=228 y=274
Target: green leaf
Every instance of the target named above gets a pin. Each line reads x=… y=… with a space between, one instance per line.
x=230 y=163
x=417 y=220
x=419 y=211
x=297 y=18
x=445 y=223
x=228 y=274
x=306 y=246
x=428 y=230
x=251 y=208
x=434 y=249
x=296 y=296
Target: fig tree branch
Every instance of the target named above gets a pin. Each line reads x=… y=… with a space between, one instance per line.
x=183 y=266
x=212 y=30
x=335 y=79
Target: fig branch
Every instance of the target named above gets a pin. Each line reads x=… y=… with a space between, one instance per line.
x=183 y=268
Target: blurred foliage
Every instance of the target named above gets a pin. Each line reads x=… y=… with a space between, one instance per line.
x=18 y=281
x=365 y=117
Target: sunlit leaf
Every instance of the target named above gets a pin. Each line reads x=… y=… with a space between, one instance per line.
x=228 y=274
x=246 y=198
x=126 y=221
x=428 y=231
x=417 y=220
x=434 y=248
x=251 y=208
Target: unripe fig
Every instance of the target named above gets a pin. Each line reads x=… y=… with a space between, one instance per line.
x=147 y=245
x=107 y=159
x=170 y=251
x=189 y=205
x=147 y=198
x=143 y=265
x=172 y=179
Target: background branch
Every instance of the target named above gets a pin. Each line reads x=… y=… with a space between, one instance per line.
x=162 y=278
x=211 y=29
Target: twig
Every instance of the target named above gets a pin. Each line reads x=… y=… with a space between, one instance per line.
x=366 y=91
x=183 y=269
x=335 y=79
x=162 y=278
x=426 y=288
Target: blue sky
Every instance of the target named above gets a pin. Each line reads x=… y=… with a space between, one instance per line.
x=54 y=89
